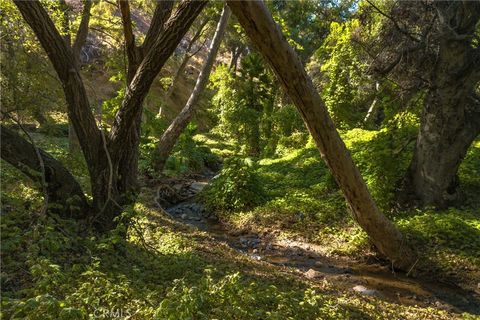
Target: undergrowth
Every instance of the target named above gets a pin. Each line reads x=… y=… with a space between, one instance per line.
x=301 y=199
x=55 y=269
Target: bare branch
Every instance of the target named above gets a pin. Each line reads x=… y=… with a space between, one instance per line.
x=82 y=31
x=395 y=23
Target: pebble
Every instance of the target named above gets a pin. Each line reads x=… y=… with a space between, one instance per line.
x=313 y=274
x=256 y=257
x=362 y=290
x=348 y=270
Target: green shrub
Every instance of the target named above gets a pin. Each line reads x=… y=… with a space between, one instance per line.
x=383 y=157
x=237 y=187
x=452 y=231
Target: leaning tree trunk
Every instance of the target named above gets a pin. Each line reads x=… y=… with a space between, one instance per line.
x=451 y=115
x=60 y=186
x=186 y=58
x=170 y=136
x=266 y=35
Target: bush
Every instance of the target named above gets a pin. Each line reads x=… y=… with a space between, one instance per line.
x=237 y=187
x=191 y=155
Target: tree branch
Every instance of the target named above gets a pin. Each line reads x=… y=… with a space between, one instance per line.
x=155 y=58
x=133 y=52
x=160 y=16
x=61 y=186
x=82 y=31
x=61 y=56
x=395 y=23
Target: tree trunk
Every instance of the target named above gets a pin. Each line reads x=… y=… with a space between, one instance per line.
x=61 y=187
x=451 y=115
x=234 y=56
x=170 y=136
x=447 y=130
x=183 y=65
x=80 y=39
x=266 y=35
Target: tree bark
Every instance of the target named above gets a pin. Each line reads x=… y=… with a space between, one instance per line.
x=181 y=21
x=170 y=136
x=450 y=119
x=61 y=187
x=235 y=54
x=450 y=123
x=80 y=39
x=266 y=35
x=161 y=49
x=185 y=60
x=162 y=12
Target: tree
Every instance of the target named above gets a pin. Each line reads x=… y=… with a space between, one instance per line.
x=111 y=159
x=79 y=42
x=433 y=48
x=170 y=136
x=60 y=186
x=186 y=58
x=266 y=35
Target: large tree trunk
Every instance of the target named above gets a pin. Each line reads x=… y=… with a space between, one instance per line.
x=449 y=126
x=451 y=116
x=170 y=136
x=61 y=187
x=266 y=35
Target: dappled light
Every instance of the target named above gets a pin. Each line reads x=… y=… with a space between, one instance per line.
x=238 y=159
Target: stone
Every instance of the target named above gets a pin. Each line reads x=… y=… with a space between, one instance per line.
x=184 y=216
x=243 y=242
x=197 y=186
x=313 y=274
x=363 y=290
x=256 y=257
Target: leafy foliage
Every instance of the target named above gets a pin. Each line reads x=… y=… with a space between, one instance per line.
x=345 y=85
x=237 y=187
x=190 y=154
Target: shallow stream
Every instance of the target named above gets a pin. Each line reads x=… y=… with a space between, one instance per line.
x=309 y=260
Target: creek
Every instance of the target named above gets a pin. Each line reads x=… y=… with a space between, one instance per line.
x=310 y=261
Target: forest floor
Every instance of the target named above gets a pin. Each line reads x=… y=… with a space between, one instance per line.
x=313 y=263
x=187 y=263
